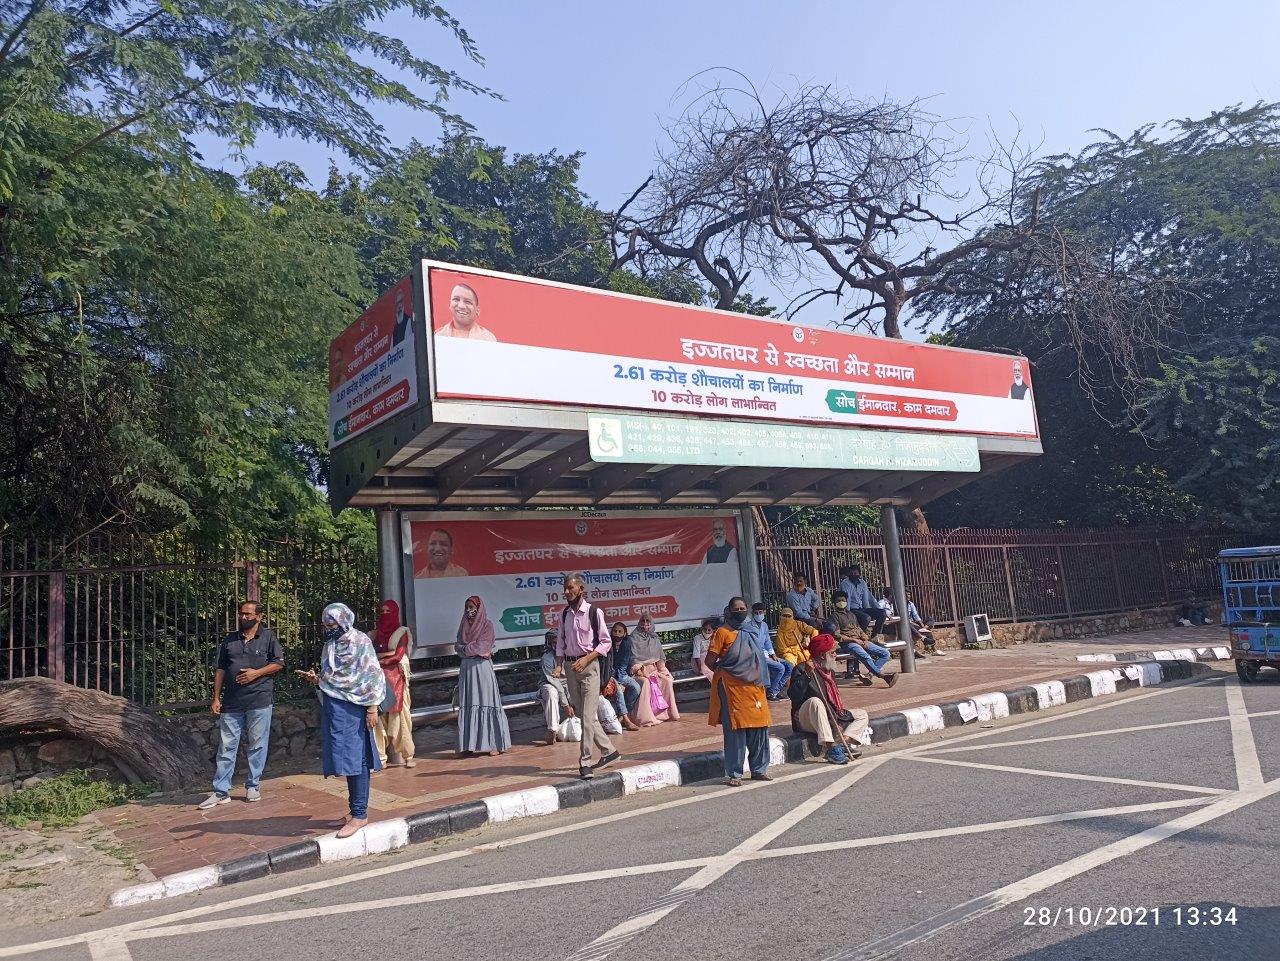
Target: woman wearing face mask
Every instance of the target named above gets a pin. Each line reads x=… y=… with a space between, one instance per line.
x=793 y=638
x=482 y=723
x=394 y=734
x=649 y=667
x=738 y=699
x=627 y=690
x=352 y=686
x=701 y=643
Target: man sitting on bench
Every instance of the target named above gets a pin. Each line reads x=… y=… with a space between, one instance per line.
x=861 y=650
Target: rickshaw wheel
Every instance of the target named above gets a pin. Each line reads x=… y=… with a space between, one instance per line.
x=1247 y=671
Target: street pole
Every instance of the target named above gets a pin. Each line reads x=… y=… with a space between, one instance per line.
x=748 y=557
x=390 y=569
x=898 y=584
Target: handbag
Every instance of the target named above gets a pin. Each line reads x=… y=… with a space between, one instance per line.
x=388 y=700
x=570 y=729
x=657 y=700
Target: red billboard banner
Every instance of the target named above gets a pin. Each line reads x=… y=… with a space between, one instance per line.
x=498 y=337
x=373 y=371
x=676 y=569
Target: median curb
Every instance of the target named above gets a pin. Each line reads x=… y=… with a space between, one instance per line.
x=1202 y=654
x=382 y=836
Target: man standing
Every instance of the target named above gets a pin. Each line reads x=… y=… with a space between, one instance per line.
x=584 y=640
x=862 y=604
x=552 y=691
x=243 y=689
x=464 y=312
x=779 y=670
x=720 y=551
x=804 y=602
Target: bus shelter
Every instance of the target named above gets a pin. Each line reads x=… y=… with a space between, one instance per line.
x=654 y=428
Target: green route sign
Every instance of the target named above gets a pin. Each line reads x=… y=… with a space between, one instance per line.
x=639 y=439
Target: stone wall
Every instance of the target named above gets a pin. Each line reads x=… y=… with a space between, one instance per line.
x=295 y=732
x=27 y=762
x=1098 y=625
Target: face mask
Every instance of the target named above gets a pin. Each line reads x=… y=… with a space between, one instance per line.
x=333 y=633
x=842 y=604
x=736 y=618
x=471 y=613
x=758 y=617
x=707 y=633
x=246 y=624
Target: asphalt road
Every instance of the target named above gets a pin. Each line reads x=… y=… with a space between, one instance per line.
x=1140 y=826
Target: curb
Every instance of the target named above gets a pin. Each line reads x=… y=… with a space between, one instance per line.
x=382 y=836
x=1181 y=654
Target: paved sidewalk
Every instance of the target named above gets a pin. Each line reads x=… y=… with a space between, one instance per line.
x=169 y=835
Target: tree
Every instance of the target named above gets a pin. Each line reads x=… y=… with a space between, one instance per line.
x=848 y=198
x=1150 y=314
x=161 y=328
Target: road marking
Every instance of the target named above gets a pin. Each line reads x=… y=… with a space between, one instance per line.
x=1248 y=767
x=822 y=847
x=711 y=868
x=718 y=867
x=109 y=949
x=407 y=900
x=1106 y=705
x=127 y=928
x=1050 y=877
x=1009 y=769
x=1087 y=734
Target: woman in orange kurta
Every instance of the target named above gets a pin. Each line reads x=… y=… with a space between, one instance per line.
x=738 y=697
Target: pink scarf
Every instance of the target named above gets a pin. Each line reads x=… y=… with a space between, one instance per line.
x=475 y=638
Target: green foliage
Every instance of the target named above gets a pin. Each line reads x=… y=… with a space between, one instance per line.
x=1155 y=345
x=64 y=799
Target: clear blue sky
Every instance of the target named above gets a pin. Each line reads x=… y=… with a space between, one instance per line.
x=600 y=77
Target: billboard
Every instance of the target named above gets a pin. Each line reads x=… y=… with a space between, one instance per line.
x=499 y=337
x=675 y=567
x=373 y=371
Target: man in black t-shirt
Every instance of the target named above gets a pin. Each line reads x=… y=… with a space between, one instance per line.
x=243 y=690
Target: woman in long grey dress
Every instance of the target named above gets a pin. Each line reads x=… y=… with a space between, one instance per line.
x=482 y=724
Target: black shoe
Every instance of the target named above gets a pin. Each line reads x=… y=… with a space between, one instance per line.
x=865 y=679
x=890 y=679
x=854 y=751
x=585 y=772
x=607 y=759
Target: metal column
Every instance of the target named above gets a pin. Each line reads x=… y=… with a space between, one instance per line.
x=898 y=584
x=748 y=559
x=390 y=566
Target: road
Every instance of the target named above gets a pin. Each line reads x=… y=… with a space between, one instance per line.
x=1140 y=826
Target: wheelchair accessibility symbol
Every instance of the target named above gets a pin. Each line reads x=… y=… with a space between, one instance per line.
x=606 y=437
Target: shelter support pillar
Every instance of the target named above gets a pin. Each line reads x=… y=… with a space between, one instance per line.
x=748 y=558
x=897 y=584
x=390 y=567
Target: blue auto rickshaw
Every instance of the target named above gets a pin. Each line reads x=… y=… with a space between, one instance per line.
x=1251 y=607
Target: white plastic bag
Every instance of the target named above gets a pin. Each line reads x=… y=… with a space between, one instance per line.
x=570 y=729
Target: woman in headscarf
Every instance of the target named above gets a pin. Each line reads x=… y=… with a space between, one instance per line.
x=793 y=638
x=627 y=689
x=352 y=686
x=394 y=733
x=738 y=698
x=649 y=666
x=482 y=723
x=816 y=706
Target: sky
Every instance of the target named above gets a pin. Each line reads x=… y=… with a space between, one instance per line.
x=603 y=77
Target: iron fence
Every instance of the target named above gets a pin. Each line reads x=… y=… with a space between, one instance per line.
x=142 y=617
x=1008 y=575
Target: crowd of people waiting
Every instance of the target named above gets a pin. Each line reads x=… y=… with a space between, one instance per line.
x=595 y=681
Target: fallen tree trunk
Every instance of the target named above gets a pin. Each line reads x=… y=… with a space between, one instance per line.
x=149 y=746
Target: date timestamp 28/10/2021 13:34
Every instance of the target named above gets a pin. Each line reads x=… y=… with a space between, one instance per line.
x=1111 y=916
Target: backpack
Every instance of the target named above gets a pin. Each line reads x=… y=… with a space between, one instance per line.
x=606 y=661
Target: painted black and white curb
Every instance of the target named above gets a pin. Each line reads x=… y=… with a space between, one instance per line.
x=1181 y=654
x=382 y=836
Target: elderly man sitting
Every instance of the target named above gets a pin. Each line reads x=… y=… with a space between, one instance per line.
x=816 y=703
